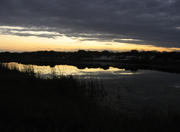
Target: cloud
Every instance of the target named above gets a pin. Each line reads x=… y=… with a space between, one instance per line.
x=33 y=31
x=153 y=22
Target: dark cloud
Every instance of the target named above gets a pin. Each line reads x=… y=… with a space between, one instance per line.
x=153 y=22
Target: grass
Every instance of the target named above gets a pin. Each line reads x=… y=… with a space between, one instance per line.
x=27 y=100
x=66 y=104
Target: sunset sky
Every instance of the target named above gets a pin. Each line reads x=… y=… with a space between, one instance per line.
x=68 y=25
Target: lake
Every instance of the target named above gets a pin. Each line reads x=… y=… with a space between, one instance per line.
x=127 y=91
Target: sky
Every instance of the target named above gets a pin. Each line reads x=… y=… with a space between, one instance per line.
x=66 y=25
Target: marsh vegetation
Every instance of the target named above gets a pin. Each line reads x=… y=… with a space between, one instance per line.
x=89 y=91
x=67 y=104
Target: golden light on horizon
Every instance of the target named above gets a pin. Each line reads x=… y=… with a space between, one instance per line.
x=63 y=43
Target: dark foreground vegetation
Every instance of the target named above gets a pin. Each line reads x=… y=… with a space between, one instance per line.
x=132 y=60
x=65 y=104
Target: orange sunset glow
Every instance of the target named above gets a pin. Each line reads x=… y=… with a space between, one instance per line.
x=30 y=43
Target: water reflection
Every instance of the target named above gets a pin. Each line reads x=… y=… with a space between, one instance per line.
x=47 y=71
x=127 y=91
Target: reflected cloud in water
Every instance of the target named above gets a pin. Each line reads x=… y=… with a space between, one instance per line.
x=58 y=70
x=136 y=89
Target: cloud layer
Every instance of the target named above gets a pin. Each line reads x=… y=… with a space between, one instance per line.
x=154 y=22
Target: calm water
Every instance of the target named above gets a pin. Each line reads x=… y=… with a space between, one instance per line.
x=127 y=91
x=58 y=70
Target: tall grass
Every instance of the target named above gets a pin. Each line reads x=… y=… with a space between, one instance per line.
x=64 y=101
x=66 y=104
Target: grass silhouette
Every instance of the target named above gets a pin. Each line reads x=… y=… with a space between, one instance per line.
x=66 y=104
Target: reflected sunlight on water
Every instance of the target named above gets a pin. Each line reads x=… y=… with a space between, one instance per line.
x=58 y=70
x=143 y=88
